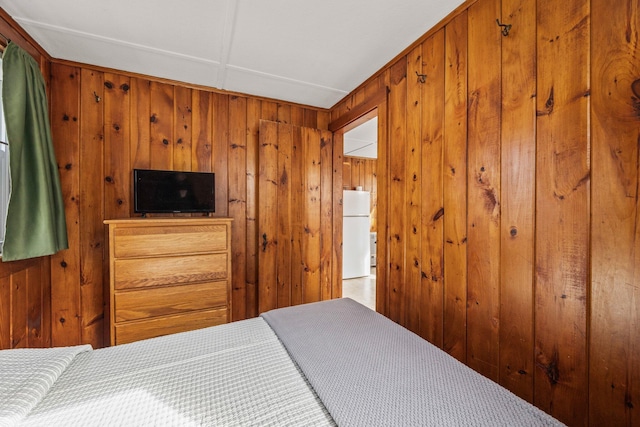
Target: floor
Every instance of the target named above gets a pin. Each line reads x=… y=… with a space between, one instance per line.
x=361 y=289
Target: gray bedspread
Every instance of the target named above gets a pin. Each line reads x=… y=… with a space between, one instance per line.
x=369 y=371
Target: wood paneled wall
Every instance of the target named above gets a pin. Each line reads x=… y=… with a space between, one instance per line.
x=358 y=171
x=104 y=125
x=512 y=186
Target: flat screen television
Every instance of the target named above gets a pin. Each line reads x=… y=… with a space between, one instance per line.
x=161 y=191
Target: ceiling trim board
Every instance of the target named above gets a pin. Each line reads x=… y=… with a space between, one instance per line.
x=284 y=79
x=267 y=85
x=227 y=39
x=116 y=42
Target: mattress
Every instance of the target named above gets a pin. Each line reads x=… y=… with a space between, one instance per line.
x=322 y=364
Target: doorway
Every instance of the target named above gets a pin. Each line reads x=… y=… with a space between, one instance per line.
x=360 y=189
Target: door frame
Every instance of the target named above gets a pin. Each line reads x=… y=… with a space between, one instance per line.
x=377 y=105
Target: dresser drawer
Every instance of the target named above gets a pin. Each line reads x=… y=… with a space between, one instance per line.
x=131 y=242
x=149 y=328
x=154 y=302
x=145 y=272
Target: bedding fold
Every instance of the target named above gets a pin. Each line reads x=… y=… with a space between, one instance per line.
x=236 y=374
x=27 y=375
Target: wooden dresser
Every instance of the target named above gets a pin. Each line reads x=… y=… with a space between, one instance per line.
x=168 y=275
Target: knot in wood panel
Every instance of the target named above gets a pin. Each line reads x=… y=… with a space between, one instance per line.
x=549 y=365
x=548 y=106
x=635 y=88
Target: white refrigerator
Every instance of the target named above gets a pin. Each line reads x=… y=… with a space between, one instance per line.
x=356 y=226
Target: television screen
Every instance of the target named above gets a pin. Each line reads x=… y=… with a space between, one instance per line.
x=160 y=191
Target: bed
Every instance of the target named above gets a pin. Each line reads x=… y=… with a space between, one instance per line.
x=321 y=364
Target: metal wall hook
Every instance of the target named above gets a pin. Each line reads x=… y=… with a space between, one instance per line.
x=421 y=77
x=96 y=96
x=505 y=28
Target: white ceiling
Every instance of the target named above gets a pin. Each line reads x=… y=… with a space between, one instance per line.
x=362 y=141
x=302 y=51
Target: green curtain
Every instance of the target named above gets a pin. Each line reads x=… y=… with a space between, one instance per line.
x=36 y=224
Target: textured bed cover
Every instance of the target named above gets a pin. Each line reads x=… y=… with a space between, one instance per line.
x=369 y=371
x=230 y=375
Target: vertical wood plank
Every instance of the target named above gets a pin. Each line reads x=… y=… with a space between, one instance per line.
x=46 y=318
x=326 y=214
x=413 y=190
x=483 y=194
x=5 y=313
x=432 y=229
x=161 y=142
x=269 y=255
x=341 y=108
x=297 y=115
x=220 y=152
x=518 y=198
x=382 y=247
x=562 y=210
x=65 y=265
x=614 y=372
x=311 y=291
x=397 y=201
x=455 y=188
x=253 y=126
x=92 y=239
x=356 y=171
x=237 y=201
x=284 y=113
x=117 y=168
x=374 y=194
x=269 y=111
x=201 y=125
x=359 y=96
x=35 y=305
x=372 y=87
x=140 y=139
x=310 y=118
x=367 y=175
x=322 y=120
x=346 y=173
x=19 y=301
x=182 y=129
x=336 y=254
x=284 y=208
x=297 y=214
